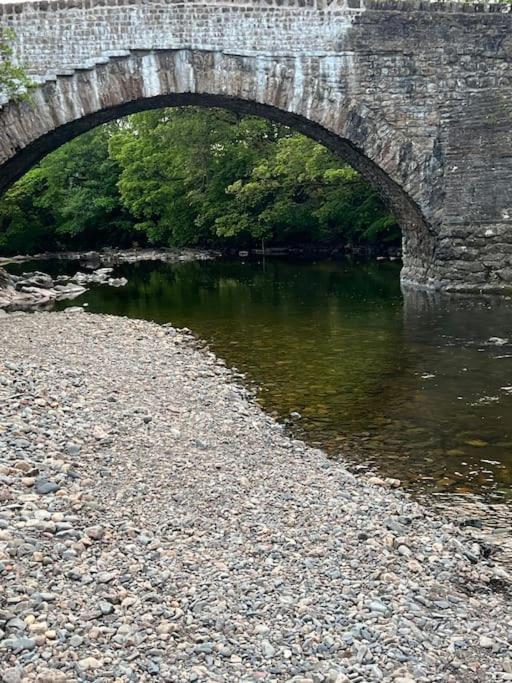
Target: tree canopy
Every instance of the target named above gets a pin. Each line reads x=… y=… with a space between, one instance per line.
x=189 y=176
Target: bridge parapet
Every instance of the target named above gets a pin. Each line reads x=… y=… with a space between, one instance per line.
x=445 y=6
x=65 y=34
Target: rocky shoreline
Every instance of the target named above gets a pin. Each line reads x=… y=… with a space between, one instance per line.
x=34 y=290
x=155 y=524
x=110 y=257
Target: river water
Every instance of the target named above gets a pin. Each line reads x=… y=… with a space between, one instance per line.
x=415 y=385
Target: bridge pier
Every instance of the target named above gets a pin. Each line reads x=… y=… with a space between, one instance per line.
x=472 y=258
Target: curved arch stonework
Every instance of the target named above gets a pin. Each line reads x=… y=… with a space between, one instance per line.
x=419 y=101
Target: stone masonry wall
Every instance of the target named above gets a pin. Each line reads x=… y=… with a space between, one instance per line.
x=55 y=35
x=417 y=96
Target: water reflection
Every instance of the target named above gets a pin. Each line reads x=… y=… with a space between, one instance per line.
x=419 y=386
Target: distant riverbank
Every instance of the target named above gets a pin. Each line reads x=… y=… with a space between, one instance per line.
x=109 y=257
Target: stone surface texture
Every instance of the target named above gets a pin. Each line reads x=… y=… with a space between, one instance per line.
x=155 y=524
x=415 y=95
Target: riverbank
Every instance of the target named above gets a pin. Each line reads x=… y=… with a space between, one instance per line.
x=110 y=257
x=157 y=525
x=37 y=290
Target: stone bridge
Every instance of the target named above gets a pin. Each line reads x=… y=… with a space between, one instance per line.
x=416 y=96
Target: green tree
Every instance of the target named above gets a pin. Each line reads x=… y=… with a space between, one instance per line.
x=189 y=176
x=302 y=192
x=176 y=166
x=81 y=190
x=24 y=226
x=14 y=82
x=70 y=200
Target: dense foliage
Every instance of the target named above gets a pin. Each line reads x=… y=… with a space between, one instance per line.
x=191 y=177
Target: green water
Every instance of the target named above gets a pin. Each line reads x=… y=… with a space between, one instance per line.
x=409 y=384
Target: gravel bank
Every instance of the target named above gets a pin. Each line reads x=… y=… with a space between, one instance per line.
x=156 y=525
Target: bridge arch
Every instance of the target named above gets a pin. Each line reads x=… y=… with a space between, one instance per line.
x=71 y=104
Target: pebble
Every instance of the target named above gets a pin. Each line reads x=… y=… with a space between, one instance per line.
x=486 y=642
x=89 y=663
x=95 y=532
x=43 y=487
x=18 y=644
x=267 y=649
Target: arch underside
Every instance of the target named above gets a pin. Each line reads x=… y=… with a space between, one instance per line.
x=276 y=89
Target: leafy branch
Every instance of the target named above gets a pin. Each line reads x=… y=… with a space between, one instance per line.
x=14 y=82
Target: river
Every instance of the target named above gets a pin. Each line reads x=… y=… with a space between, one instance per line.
x=417 y=386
